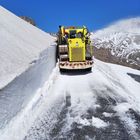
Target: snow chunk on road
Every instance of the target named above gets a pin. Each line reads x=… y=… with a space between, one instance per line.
x=107 y=114
x=20 y=45
x=122 y=108
x=85 y=122
x=98 y=123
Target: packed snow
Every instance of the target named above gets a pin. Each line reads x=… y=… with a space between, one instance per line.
x=17 y=128
x=97 y=122
x=20 y=45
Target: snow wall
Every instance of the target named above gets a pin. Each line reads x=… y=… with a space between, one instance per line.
x=21 y=90
x=29 y=55
x=20 y=44
x=21 y=96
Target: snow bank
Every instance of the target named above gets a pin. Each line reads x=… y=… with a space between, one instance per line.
x=22 y=89
x=18 y=126
x=20 y=45
x=27 y=58
x=97 y=122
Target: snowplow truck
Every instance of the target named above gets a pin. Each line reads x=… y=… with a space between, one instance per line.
x=74 y=48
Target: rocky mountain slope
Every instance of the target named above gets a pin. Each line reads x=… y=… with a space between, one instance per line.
x=28 y=19
x=119 y=43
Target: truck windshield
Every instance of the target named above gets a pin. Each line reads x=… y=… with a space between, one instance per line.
x=79 y=35
x=73 y=34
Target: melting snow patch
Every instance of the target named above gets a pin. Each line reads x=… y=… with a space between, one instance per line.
x=97 y=122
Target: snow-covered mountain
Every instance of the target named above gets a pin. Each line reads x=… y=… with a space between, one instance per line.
x=119 y=43
x=20 y=45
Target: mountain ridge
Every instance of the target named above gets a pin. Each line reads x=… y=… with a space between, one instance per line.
x=119 y=43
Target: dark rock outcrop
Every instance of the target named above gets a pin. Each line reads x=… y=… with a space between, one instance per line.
x=105 y=55
x=29 y=20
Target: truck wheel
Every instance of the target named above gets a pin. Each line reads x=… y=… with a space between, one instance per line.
x=89 y=69
x=62 y=70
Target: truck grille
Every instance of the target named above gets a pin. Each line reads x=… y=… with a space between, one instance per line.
x=77 y=54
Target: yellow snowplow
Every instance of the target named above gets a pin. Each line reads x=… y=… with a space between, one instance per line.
x=74 y=49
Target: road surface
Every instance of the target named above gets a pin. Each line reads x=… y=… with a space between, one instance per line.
x=84 y=106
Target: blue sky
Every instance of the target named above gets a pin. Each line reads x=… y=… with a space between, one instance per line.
x=95 y=14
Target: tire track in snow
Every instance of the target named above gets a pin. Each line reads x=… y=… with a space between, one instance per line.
x=88 y=111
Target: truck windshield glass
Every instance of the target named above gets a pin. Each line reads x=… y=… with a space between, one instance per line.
x=73 y=34
x=79 y=35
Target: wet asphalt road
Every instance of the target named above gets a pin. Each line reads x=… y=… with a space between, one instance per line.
x=63 y=127
x=135 y=77
x=116 y=130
